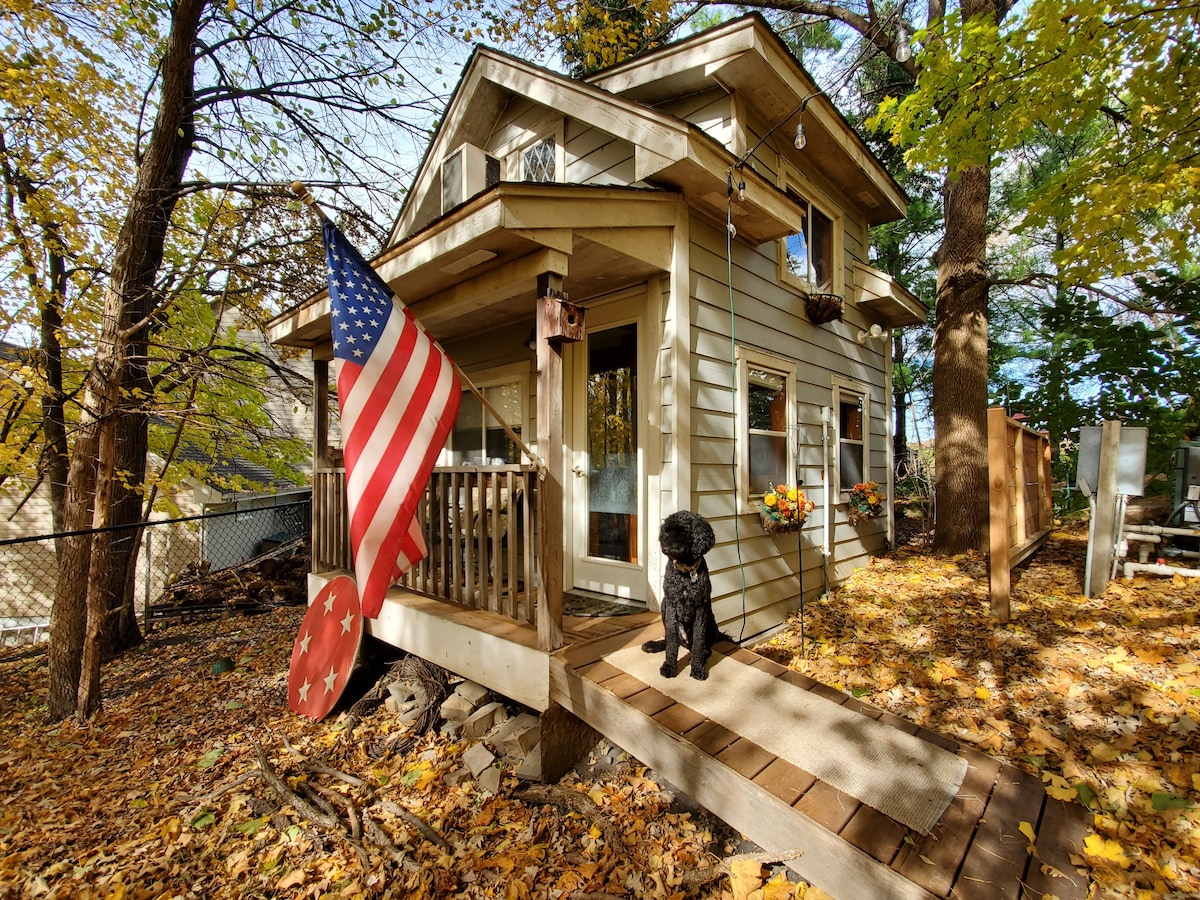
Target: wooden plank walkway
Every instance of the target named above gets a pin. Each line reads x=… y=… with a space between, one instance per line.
x=975 y=852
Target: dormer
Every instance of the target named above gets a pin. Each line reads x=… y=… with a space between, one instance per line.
x=466 y=172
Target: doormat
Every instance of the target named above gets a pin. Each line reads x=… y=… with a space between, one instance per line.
x=585 y=605
x=902 y=776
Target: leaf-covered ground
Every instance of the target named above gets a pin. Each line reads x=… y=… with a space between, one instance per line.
x=1100 y=698
x=165 y=795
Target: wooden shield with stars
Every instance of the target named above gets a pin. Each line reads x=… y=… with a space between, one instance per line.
x=326 y=649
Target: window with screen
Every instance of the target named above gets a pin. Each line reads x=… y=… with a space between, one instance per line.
x=853 y=464
x=766 y=421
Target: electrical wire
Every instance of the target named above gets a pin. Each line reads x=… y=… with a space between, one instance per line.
x=733 y=465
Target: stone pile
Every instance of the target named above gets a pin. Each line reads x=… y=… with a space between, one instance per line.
x=499 y=740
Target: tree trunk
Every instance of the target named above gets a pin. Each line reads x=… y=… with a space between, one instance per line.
x=960 y=367
x=54 y=428
x=120 y=630
x=130 y=299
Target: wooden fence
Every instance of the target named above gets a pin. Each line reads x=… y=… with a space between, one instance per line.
x=1020 y=503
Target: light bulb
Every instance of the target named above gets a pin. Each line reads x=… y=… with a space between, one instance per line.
x=903 y=49
x=800 y=139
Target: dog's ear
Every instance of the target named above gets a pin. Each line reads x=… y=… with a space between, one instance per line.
x=703 y=537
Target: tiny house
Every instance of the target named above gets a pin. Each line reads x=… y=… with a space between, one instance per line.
x=671 y=304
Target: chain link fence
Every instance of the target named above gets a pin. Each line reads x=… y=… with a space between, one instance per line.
x=179 y=568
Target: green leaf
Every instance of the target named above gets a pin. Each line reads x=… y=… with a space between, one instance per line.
x=209 y=759
x=250 y=826
x=203 y=820
x=1086 y=795
x=1161 y=801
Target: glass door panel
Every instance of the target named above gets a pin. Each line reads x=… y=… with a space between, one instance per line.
x=612 y=444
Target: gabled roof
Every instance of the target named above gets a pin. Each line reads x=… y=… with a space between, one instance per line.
x=490 y=77
x=744 y=56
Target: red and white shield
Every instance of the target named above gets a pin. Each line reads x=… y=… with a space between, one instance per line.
x=326 y=649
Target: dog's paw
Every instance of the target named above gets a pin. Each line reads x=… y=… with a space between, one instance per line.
x=666 y=670
x=654 y=646
x=700 y=674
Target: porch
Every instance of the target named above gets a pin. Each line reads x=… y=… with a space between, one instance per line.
x=975 y=851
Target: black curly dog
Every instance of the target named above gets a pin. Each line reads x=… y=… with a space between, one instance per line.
x=687 y=594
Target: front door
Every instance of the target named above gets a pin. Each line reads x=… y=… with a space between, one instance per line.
x=606 y=553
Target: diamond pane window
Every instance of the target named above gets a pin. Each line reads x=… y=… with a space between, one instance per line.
x=537 y=163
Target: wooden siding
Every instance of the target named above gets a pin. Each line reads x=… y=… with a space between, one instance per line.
x=595 y=157
x=711 y=111
x=770 y=317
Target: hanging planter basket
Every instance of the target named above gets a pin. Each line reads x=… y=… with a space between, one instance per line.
x=866 y=501
x=822 y=308
x=784 y=509
x=774 y=525
x=857 y=517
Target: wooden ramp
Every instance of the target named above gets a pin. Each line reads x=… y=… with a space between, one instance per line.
x=975 y=852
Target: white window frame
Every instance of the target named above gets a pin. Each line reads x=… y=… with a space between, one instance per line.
x=514 y=153
x=800 y=189
x=846 y=388
x=518 y=375
x=747 y=359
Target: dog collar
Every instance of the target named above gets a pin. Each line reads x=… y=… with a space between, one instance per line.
x=687 y=570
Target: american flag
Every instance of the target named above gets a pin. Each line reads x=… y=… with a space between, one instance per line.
x=398 y=395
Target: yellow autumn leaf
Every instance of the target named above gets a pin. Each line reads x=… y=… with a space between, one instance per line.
x=745 y=877
x=1046 y=739
x=982 y=693
x=1105 y=850
x=1058 y=787
x=778 y=888
x=1196 y=782
x=1030 y=835
x=294 y=878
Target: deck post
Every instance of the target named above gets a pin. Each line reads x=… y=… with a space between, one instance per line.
x=317 y=509
x=550 y=491
x=998 y=513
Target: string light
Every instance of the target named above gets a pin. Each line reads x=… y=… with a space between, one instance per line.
x=800 y=139
x=903 y=49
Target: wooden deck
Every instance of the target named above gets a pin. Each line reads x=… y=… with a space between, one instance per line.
x=975 y=852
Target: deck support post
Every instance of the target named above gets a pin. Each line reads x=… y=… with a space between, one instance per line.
x=550 y=491
x=565 y=739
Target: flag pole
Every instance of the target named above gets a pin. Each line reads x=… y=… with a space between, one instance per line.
x=301 y=190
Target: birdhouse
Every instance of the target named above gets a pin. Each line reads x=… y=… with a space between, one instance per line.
x=562 y=322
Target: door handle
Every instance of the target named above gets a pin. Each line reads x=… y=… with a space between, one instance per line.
x=578 y=470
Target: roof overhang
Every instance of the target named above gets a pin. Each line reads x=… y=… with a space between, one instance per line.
x=747 y=58
x=476 y=268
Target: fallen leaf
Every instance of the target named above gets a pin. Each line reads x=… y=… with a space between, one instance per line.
x=1027 y=829
x=1105 y=850
x=745 y=877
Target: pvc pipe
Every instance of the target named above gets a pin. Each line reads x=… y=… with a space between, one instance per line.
x=1156 y=569
x=1159 y=529
x=1144 y=538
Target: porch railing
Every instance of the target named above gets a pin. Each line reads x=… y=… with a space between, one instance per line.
x=480 y=528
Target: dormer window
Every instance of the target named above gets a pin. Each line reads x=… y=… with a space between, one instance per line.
x=808 y=259
x=809 y=253
x=537 y=161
